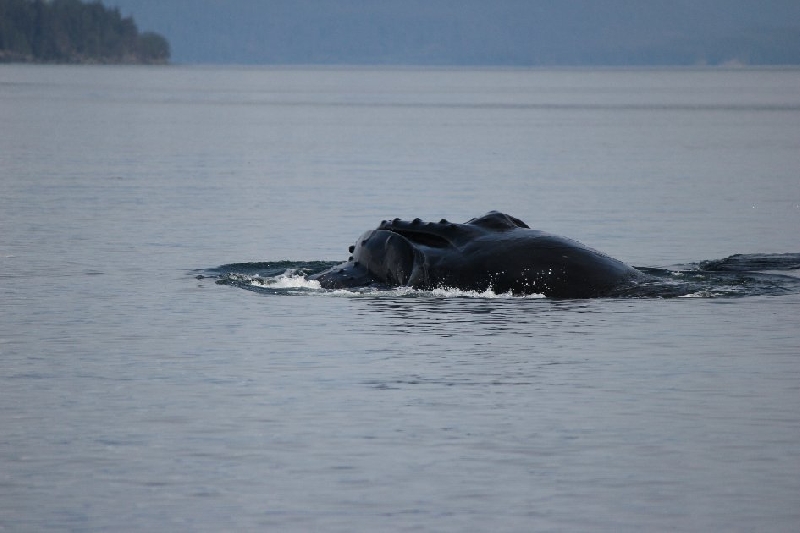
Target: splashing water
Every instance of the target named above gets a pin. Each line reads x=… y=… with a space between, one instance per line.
x=735 y=276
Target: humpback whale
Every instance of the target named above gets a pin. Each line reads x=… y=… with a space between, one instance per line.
x=496 y=252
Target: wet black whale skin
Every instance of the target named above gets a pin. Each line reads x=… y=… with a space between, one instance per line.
x=496 y=251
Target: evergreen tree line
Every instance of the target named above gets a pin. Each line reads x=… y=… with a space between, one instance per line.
x=69 y=31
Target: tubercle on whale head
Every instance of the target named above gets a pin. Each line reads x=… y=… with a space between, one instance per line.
x=493 y=220
x=446 y=235
x=443 y=233
x=417 y=223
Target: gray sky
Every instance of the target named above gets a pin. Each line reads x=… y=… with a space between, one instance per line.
x=474 y=32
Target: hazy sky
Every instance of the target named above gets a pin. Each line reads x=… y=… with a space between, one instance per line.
x=516 y=32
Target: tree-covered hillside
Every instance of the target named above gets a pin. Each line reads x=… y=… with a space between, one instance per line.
x=69 y=31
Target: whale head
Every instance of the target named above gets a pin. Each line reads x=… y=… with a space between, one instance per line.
x=496 y=251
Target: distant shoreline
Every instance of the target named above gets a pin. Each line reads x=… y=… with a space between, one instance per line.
x=9 y=59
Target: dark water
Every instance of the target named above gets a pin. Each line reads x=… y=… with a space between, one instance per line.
x=141 y=389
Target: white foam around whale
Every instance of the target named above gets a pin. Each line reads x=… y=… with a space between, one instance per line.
x=292 y=280
x=287 y=280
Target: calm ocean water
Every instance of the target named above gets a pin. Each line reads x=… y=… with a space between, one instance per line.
x=135 y=396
